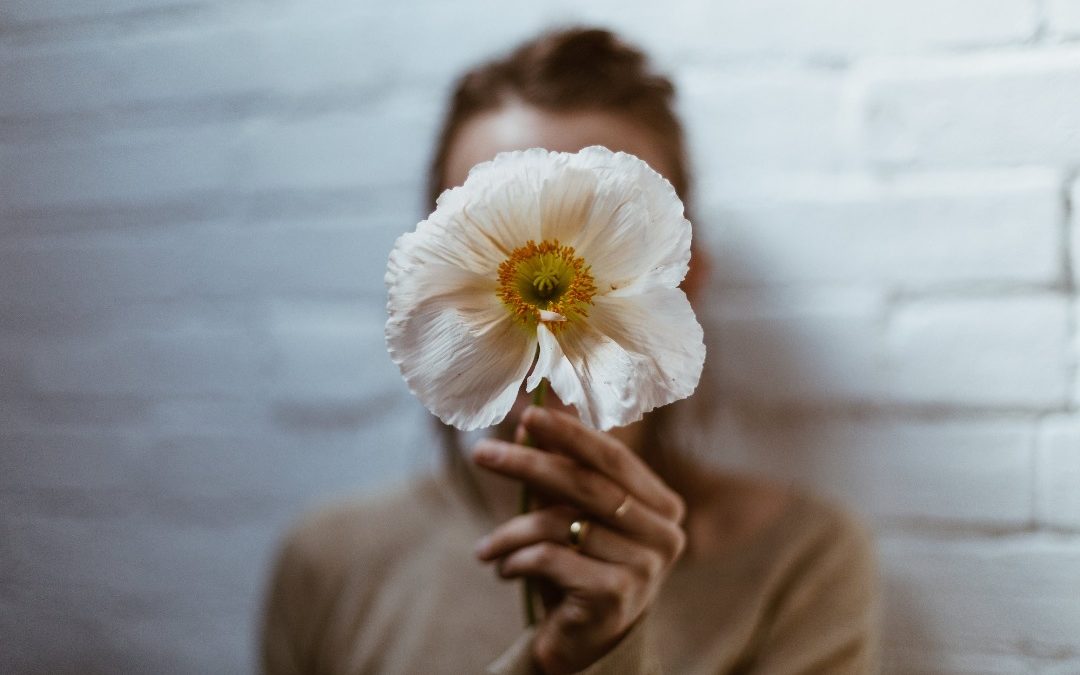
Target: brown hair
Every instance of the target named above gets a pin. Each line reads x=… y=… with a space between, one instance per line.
x=569 y=70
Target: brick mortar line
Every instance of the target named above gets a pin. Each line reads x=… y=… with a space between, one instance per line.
x=1068 y=225
x=903 y=657
x=1033 y=442
x=898 y=298
x=892 y=290
x=26 y=38
x=1042 y=23
x=802 y=413
x=210 y=111
x=902 y=530
x=40 y=34
x=794 y=417
x=1071 y=177
x=253 y=208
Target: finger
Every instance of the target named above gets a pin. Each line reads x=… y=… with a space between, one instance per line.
x=521 y=435
x=546 y=524
x=553 y=525
x=564 y=432
x=565 y=480
x=569 y=570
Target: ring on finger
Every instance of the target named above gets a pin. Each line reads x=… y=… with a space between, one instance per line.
x=579 y=529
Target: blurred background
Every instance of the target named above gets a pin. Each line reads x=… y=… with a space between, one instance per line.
x=197 y=199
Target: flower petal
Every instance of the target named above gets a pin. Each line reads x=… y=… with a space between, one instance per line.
x=633 y=354
x=494 y=212
x=567 y=199
x=549 y=356
x=635 y=236
x=661 y=332
x=457 y=347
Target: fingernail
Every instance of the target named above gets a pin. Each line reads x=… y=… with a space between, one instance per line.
x=485 y=451
x=536 y=411
x=481 y=546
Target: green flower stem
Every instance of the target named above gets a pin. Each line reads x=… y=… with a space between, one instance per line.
x=524 y=506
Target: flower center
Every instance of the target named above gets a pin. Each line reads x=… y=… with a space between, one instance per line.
x=545 y=277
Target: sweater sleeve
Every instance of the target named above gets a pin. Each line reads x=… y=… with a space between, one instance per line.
x=633 y=655
x=288 y=622
x=825 y=616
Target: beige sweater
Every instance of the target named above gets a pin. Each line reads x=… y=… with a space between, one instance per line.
x=390 y=585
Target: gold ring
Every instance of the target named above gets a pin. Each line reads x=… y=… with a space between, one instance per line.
x=578 y=530
x=623 y=508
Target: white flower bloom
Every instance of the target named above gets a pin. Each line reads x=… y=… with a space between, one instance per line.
x=575 y=257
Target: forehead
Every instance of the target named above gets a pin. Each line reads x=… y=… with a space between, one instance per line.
x=517 y=126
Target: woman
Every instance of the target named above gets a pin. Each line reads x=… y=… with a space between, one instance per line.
x=648 y=562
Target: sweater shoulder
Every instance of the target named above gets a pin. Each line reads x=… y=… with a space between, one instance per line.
x=823 y=525
x=824 y=550
x=356 y=535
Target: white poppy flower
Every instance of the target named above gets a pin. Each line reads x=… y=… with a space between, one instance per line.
x=569 y=260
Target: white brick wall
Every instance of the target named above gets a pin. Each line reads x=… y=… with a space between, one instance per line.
x=1064 y=18
x=1011 y=597
x=196 y=202
x=926 y=231
x=1074 y=230
x=763 y=120
x=857 y=348
x=900 y=471
x=833 y=28
x=1058 y=474
x=1001 y=108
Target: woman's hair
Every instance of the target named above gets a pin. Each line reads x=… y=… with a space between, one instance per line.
x=569 y=70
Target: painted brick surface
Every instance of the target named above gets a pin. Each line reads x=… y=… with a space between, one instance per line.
x=1058 y=469
x=1064 y=17
x=325 y=255
x=19 y=12
x=834 y=28
x=1073 y=193
x=930 y=230
x=764 y=120
x=938 y=588
x=896 y=471
x=855 y=347
x=1009 y=108
x=1011 y=351
x=170 y=166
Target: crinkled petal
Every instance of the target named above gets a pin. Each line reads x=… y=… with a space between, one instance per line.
x=632 y=355
x=591 y=372
x=661 y=332
x=457 y=347
x=635 y=235
x=494 y=212
x=549 y=356
x=567 y=199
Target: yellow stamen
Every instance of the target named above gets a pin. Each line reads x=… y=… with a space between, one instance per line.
x=545 y=277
